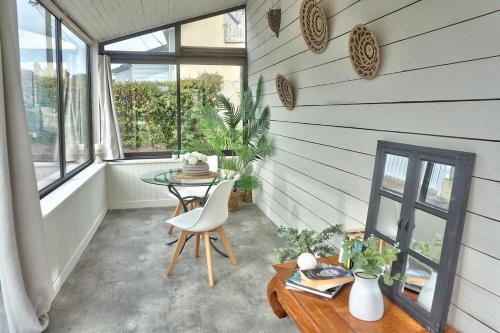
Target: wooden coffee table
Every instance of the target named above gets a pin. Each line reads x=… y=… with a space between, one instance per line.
x=313 y=313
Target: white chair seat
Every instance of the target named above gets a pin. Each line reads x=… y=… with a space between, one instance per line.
x=187 y=220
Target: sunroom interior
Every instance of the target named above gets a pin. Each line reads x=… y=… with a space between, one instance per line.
x=249 y=165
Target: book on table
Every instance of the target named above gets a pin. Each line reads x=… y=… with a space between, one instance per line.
x=326 y=277
x=297 y=282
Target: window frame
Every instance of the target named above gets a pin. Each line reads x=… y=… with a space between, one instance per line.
x=463 y=163
x=183 y=55
x=64 y=177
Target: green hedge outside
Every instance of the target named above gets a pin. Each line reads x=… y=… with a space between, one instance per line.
x=147 y=111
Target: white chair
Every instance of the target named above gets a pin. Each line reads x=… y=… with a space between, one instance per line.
x=200 y=221
x=194 y=191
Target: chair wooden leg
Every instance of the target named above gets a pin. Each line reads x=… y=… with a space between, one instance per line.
x=197 y=246
x=227 y=245
x=178 y=209
x=208 y=251
x=177 y=251
x=170 y=229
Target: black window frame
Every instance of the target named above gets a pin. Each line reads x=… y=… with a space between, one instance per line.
x=64 y=176
x=182 y=55
x=463 y=163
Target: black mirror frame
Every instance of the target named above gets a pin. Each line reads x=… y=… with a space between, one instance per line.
x=435 y=320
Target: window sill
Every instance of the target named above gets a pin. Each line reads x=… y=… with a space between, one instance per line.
x=55 y=198
x=145 y=161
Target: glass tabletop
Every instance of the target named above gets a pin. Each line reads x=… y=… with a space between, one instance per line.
x=175 y=177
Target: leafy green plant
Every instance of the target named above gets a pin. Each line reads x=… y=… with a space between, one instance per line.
x=430 y=250
x=298 y=242
x=371 y=259
x=241 y=130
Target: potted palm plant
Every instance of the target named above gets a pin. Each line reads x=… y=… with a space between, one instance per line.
x=238 y=135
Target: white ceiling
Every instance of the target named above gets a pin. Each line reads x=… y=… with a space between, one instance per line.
x=107 y=19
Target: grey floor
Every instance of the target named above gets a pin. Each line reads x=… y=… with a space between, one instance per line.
x=119 y=284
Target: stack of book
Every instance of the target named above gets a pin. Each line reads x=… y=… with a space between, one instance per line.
x=350 y=235
x=416 y=279
x=326 y=280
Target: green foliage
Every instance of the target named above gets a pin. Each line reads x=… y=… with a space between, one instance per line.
x=147 y=111
x=241 y=129
x=431 y=251
x=306 y=240
x=371 y=259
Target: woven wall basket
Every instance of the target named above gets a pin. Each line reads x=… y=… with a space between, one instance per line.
x=285 y=92
x=314 y=26
x=364 y=51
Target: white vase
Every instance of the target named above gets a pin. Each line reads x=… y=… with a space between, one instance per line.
x=427 y=293
x=365 y=299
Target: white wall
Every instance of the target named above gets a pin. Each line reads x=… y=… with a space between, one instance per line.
x=125 y=189
x=438 y=86
x=71 y=216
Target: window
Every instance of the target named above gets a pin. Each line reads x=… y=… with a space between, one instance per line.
x=418 y=200
x=158 y=41
x=146 y=104
x=55 y=83
x=226 y=30
x=76 y=100
x=158 y=96
x=200 y=86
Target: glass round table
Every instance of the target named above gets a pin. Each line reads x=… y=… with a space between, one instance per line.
x=174 y=178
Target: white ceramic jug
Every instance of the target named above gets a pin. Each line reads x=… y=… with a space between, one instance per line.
x=365 y=299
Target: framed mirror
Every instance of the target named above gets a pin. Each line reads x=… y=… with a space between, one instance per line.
x=418 y=202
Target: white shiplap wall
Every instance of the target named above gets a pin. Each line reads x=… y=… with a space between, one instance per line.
x=71 y=216
x=438 y=85
x=125 y=190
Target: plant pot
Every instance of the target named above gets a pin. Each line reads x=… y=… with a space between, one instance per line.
x=427 y=293
x=365 y=299
x=246 y=195
x=198 y=169
x=234 y=201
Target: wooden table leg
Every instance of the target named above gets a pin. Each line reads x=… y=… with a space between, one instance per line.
x=272 y=297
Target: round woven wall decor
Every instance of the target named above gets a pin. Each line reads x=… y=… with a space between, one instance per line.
x=364 y=51
x=313 y=26
x=285 y=92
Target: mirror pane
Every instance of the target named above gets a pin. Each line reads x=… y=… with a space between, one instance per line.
x=395 y=173
x=427 y=237
x=436 y=181
x=420 y=283
x=388 y=217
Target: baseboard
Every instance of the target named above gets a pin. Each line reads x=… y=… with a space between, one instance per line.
x=57 y=284
x=142 y=204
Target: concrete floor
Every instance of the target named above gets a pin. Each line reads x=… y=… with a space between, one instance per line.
x=119 y=284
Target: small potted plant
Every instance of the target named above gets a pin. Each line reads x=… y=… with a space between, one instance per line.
x=195 y=164
x=371 y=260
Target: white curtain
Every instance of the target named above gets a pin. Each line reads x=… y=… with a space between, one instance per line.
x=109 y=130
x=24 y=268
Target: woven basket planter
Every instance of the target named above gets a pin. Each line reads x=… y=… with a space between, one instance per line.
x=234 y=201
x=246 y=196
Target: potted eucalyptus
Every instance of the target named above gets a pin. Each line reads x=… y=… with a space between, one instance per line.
x=370 y=262
x=306 y=241
x=238 y=135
